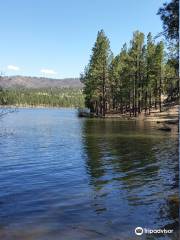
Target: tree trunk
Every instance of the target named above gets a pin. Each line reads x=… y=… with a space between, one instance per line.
x=103 y=94
x=160 y=90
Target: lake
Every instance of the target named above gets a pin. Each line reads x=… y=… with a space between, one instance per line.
x=69 y=178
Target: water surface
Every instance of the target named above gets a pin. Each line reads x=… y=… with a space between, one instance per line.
x=67 y=178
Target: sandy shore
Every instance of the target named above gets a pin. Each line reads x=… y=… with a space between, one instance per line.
x=168 y=114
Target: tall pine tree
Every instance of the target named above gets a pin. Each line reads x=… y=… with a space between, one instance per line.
x=96 y=75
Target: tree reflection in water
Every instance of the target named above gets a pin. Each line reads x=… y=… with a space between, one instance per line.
x=133 y=170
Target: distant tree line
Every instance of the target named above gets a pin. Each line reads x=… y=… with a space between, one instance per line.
x=60 y=97
x=137 y=79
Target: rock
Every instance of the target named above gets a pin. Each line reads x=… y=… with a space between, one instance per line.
x=174 y=199
x=172 y=121
x=165 y=128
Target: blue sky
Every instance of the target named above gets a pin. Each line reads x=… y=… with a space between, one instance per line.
x=54 y=38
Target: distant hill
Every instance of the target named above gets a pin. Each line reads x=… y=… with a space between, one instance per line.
x=38 y=82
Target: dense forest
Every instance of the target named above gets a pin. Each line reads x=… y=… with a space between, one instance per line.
x=141 y=77
x=57 y=97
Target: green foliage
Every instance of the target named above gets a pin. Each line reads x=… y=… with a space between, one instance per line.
x=131 y=82
x=169 y=14
x=96 y=73
x=62 y=97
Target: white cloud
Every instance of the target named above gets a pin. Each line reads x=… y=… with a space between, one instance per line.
x=13 y=68
x=48 y=71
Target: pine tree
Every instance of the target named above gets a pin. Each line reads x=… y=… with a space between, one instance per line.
x=131 y=82
x=150 y=74
x=158 y=61
x=136 y=60
x=169 y=14
x=96 y=75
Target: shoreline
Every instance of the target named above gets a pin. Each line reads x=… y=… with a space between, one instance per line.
x=34 y=107
x=168 y=115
